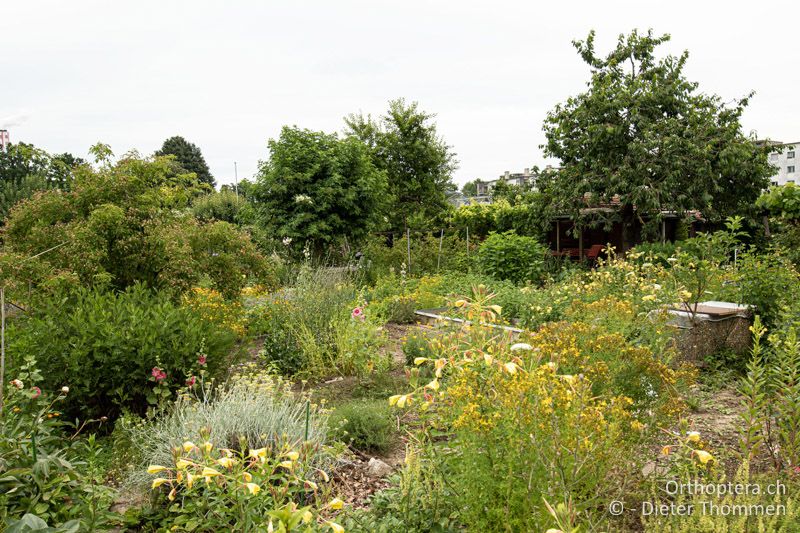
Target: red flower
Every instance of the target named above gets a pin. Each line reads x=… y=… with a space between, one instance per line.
x=358 y=312
x=201 y=360
x=36 y=392
x=158 y=374
x=191 y=381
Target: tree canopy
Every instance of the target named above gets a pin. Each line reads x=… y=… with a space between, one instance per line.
x=644 y=133
x=189 y=156
x=418 y=163
x=316 y=188
x=128 y=222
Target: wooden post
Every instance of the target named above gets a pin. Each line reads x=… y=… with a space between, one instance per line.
x=580 y=244
x=663 y=231
x=439 y=258
x=408 y=246
x=558 y=235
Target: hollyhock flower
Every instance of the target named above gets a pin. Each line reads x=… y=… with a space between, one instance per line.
x=17 y=383
x=191 y=381
x=358 y=312
x=36 y=392
x=201 y=360
x=158 y=374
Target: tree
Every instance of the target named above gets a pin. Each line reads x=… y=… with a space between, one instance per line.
x=127 y=222
x=418 y=163
x=189 y=156
x=25 y=169
x=316 y=188
x=470 y=188
x=644 y=133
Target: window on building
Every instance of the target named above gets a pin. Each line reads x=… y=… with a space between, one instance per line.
x=790 y=169
x=790 y=154
x=775 y=183
x=773 y=157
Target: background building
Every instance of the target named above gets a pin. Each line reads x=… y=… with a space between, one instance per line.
x=785 y=158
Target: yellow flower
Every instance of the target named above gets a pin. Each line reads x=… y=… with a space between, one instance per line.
x=247 y=476
x=487 y=358
x=252 y=488
x=226 y=462
x=155 y=469
x=307 y=517
x=703 y=456
x=182 y=463
x=293 y=456
x=172 y=494
x=207 y=446
x=336 y=528
x=686 y=295
x=324 y=475
x=420 y=360
x=553 y=530
x=665 y=450
x=335 y=504
x=188 y=446
x=649 y=298
x=460 y=303
x=693 y=436
x=157 y=482
x=286 y=464
x=210 y=472
x=510 y=367
x=260 y=452
x=432 y=385
x=190 y=480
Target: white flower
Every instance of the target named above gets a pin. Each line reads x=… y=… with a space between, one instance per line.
x=17 y=383
x=287 y=241
x=521 y=346
x=303 y=199
x=65 y=389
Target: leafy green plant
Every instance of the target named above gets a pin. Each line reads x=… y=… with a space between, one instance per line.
x=364 y=425
x=512 y=257
x=107 y=347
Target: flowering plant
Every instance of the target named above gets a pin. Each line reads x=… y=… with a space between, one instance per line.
x=243 y=487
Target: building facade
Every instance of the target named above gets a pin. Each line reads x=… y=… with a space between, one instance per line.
x=785 y=158
x=518 y=178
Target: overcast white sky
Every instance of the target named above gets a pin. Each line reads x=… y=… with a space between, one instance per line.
x=228 y=75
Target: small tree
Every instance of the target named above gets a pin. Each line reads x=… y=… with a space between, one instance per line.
x=189 y=156
x=316 y=188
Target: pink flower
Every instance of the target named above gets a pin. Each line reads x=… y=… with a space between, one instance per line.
x=191 y=381
x=158 y=374
x=201 y=360
x=358 y=312
x=36 y=392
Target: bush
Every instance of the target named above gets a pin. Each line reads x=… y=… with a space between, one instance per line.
x=512 y=257
x=105 y=346
x=366 y=426
x=226 y=206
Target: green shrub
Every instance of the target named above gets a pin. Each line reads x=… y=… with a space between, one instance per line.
x=366 y=426
x=416 y=345
x=512 y=257
x=225 y=205
x=104 y=346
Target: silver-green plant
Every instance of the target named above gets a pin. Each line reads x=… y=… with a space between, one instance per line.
x=254 y=410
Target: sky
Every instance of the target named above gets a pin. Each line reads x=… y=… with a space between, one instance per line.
x=228 y=75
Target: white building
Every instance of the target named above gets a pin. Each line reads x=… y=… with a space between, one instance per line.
x=786 y=160
x=519 y=179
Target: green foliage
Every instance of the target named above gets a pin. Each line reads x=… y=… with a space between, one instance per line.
x=47 y=478
x=120 y=225
x=526 y=214
x=316 y=188
x=418 y=163
x=638 y=105
x=381 y=259
x=416 y=345
x=25 y=169
x=470 y=188
x=770 y=282
x=367 y=426
x=226 y=206
x=104 y=346
x=782 y=201
x=189 y=157
x=512 y=257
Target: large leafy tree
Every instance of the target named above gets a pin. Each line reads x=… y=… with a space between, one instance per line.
x=189 y=156
x=646 y=134
x=317 y=188
x=417 y=161
x=126 y=222
x=25 y=169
